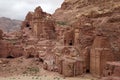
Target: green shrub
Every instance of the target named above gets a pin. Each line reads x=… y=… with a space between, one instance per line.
x=33 y=69
x=61 y=23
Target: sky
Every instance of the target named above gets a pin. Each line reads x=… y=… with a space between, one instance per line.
x=17 y=9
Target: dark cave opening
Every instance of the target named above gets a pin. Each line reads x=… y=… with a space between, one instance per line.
x=87 y=71
x=41 y=60
x=109 y=74
x=31 y=56
x=70 y=43
x=30 y=28
x=27 y=25
x=10 y=57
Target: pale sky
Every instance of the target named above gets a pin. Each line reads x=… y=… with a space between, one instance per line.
x=17 y=9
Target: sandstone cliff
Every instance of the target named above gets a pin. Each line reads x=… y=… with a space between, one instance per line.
x=71 y=10
x=94 y=24
x=87 y=32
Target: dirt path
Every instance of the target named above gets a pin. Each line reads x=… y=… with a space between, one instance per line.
x=44 y=77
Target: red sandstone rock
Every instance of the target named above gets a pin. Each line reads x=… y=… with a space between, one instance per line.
x=112 y=69
x=100 y=54
x=5 y=48
x=87 y=37
x=40 y=24
x=30 y=52
x=17 y=51
x=1 y=34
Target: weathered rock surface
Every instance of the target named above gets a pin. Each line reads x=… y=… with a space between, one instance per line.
x=93 y=25
x=8 y=50
x=80 y=37
x=10 y=45
x=40 y=24
x=1 y=34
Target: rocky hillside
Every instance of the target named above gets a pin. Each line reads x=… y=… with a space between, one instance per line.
x=9 y=25
x=71 y=10
x=96 y=24
x=94 y=18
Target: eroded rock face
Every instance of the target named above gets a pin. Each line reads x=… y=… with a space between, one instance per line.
x=30 y=52
x=40 y=24
x=64 y=60
x=17 y=51
x=93 y=25
x=112 y=69
x=7 y=50
x=4 y=49
x=1 y=34
x=91 y=32
x=82 y=37
x=10 y=45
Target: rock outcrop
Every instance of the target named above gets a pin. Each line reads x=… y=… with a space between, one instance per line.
x=40 y=24
x=10 y=45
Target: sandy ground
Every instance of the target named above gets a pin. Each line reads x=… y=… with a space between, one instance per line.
x=44 y=77
x=31 y=69
x=47 y=76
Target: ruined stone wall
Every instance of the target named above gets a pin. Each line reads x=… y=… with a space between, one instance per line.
x=112 y=69
x=70 y=68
